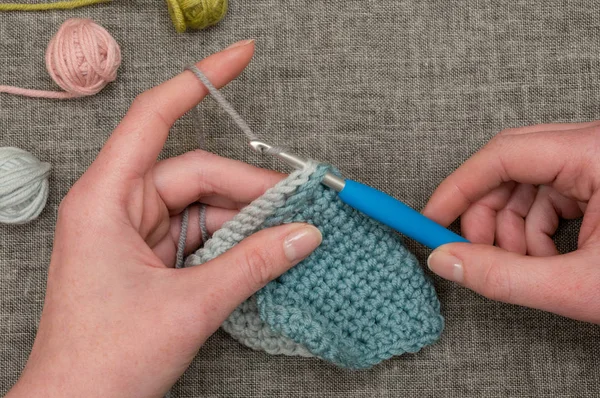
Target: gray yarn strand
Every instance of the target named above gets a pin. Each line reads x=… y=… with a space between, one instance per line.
x=202 y=220
x=24 y=186
x=223 y=102
x=182 y=238
x=227 y=107
x=180 y=263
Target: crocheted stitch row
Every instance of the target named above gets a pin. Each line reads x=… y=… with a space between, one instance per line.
x=359 y=299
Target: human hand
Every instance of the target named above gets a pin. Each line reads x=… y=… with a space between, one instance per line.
x=513 y=193
x=118 y=320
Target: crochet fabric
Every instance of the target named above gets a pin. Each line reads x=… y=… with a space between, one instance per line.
x=359 y=299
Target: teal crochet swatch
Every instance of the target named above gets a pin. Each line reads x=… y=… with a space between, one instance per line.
x=359 y=299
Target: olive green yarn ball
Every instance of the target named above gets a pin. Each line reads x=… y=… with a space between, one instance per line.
x=196 y=14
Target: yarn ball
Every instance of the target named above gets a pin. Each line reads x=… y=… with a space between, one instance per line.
x=82 y=58
x=361 y=297
x=23 y=186
x=196 y=14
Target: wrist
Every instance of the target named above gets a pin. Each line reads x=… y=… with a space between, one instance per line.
x=47 y=384
x=58 y=377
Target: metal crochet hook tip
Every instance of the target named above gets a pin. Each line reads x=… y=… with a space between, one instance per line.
x=332 y=181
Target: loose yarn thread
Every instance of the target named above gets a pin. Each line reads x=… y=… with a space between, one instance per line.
x=82 y=58
x=23 y=186
x=59 y=5
x=227 y=107
x=196 y=14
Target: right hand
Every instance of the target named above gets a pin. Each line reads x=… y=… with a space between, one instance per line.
x=512 y=193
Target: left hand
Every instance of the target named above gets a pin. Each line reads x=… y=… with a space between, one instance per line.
x=118 y=320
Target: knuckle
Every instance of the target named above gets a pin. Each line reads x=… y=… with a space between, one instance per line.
x=591 y=141
x=146 y=104
x=257 y=267
x=509 y=131
x=496 y=283
x=203 y=178
x=142 y=101
x=75 y=201
x=595 y=298
x=64 y=207
x=198 y=155
x=139 y=105
x=68 y=203
x=585 y=286
x=500 y=140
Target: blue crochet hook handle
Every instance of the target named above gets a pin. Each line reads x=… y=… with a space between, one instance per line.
x=397 y=215
x=376 y=204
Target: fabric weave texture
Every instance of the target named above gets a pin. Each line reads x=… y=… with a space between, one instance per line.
x=359 y=299
x=396 y=94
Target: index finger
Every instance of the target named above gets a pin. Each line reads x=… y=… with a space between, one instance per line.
x=534 y=158
x=136 y=143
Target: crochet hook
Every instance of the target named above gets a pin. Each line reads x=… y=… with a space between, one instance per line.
x=376 y=204
x=370 y=201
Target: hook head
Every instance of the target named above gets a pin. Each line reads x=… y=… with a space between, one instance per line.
x=260 y=146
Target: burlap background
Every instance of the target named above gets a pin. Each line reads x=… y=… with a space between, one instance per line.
x=395 y=93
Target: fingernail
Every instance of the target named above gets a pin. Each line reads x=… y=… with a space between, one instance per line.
x=446 y=265
x=240 y=44
x=301 y=242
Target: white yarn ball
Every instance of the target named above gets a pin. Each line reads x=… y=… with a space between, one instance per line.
x=23 y=186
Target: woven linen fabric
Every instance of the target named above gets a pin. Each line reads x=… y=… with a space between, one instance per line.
x=359 y=299
x=396 y=94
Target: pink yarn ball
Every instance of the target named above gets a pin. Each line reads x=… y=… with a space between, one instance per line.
x=82 y=58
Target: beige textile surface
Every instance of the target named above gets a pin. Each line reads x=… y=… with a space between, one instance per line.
x=395 y=93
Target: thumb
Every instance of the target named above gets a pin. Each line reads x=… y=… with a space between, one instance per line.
x=560 y=284
x=226 y=281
